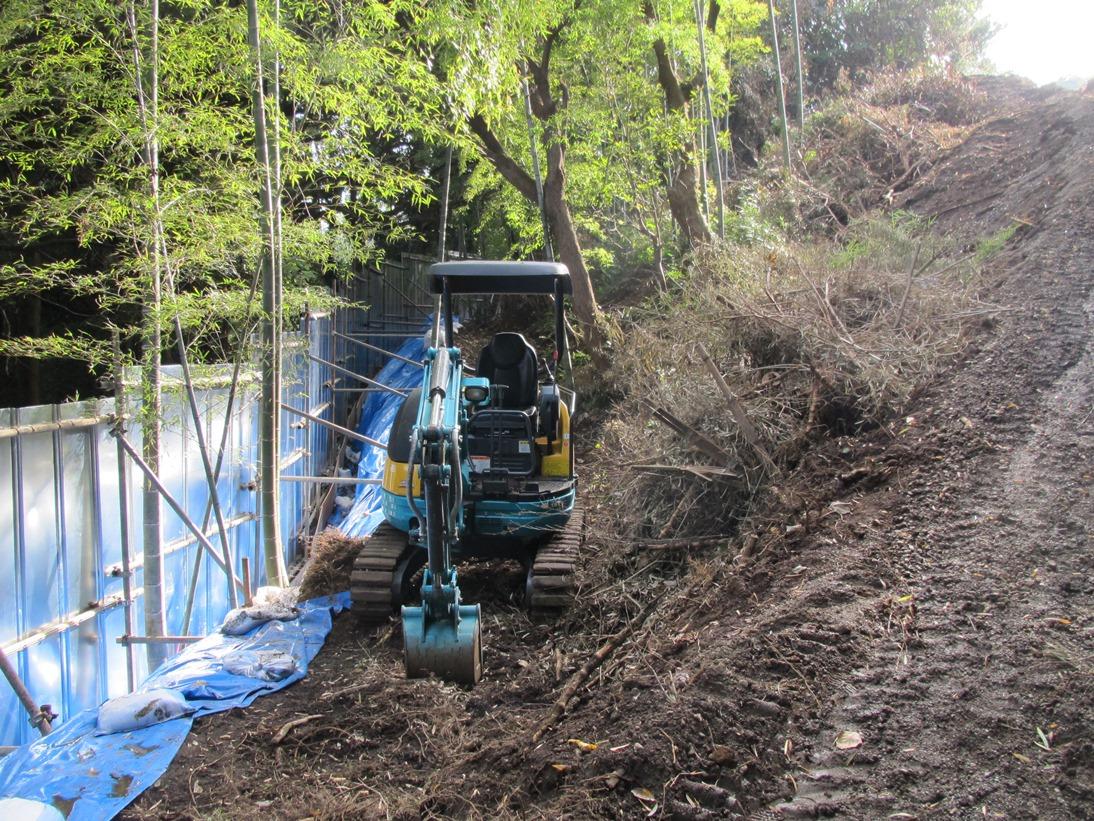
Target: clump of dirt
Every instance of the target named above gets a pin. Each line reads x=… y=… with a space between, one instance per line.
x=330 y=562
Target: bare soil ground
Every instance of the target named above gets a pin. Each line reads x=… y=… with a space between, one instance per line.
x=923 y=594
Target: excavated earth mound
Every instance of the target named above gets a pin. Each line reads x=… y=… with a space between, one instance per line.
x=913 y=639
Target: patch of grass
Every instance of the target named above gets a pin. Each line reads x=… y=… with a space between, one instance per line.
x=990 y=246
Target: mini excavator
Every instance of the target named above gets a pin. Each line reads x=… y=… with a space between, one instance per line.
x=480 y=465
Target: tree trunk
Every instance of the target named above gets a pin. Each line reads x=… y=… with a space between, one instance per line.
x=684 y=201
x=569 y=247
x=558 y=215
x=682 y=191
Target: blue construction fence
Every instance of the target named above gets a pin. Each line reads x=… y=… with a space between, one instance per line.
x=62 y=601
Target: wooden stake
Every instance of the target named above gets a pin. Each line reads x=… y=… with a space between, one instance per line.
x=247 y=600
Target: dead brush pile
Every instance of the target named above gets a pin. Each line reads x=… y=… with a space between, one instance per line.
x=330 y=561
x=861 y=151
x=805 y=341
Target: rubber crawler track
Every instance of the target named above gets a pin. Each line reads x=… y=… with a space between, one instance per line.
x=551 y=578
x=377 y=577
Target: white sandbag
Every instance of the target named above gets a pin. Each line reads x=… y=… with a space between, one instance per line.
x=23 y=809
x=264 y=665
x=280 y=596
x=243 y=620
x=136 y=710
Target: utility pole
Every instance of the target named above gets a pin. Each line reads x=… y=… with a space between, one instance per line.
x=779 y=82
x=699 y=21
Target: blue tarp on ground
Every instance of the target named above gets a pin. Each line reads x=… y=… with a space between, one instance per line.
x=91 y=777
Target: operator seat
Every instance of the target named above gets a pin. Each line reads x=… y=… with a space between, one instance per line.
x=509 y=361
x=501 y=436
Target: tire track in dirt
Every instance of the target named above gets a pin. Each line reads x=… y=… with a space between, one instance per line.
x=992 y=543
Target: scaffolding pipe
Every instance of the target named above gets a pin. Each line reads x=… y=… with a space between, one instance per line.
x=211 y=478
x=38 y=717
x=378 y=349
x=195 y=574
x=123 y=510
x=332 y=480
x=352 y=434
x=154 y=480
x=357 y=376
x=48 y=427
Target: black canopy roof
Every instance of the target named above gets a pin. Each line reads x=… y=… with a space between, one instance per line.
x=490 y=277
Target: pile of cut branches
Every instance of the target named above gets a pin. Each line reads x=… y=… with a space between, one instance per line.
x=861 y=151
x=761 y=351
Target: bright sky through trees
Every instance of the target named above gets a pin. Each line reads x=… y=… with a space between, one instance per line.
x=1045 y=40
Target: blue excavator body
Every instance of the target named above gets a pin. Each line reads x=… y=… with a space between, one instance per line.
x=480 y=465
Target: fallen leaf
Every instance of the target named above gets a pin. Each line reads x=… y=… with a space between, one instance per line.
x=587 y=746
x=848 y=740
x=1023 y=758
x=561 y=768
x=642 y=794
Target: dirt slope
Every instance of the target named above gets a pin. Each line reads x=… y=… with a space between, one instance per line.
x=926 y=586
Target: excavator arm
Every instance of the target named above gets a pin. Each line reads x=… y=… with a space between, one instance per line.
x=441 y=635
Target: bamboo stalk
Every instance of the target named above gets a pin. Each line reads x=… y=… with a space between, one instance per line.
x=271 y=363
x=798 y=64
x=779 y=82
x=151 y=394
x=442 y=223
x=548 y=250
x=699 y=22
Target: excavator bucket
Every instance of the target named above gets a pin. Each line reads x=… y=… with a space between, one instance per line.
x=450 y=649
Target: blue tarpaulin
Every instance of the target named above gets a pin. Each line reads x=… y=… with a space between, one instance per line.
x=377 y=414
x=91 y=777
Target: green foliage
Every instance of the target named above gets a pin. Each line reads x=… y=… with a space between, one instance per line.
x=990 y=246
x=55 y=346
x=854 y=37
x=74 y=181
x=612 y=120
